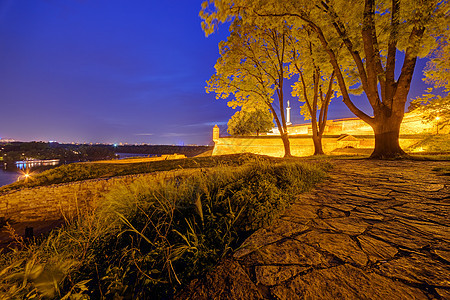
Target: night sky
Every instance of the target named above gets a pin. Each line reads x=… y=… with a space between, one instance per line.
x=114 y=71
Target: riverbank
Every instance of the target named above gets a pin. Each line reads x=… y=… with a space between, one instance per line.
x=92 y=170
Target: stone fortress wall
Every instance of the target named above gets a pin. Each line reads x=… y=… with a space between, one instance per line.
x=338 y=134
x=58 y=201
x=66 y=200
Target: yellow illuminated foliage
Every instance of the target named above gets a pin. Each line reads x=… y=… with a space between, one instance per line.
x=371 y=32
x=434 y=104
x=251 y=70
x=250 y=120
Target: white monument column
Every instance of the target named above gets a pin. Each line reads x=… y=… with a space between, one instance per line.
x=288 y=114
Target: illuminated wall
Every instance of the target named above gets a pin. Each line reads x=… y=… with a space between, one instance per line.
x=412 y=124
x=351 y=132
x=300 y=146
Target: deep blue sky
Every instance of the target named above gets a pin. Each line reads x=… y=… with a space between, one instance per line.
x=113 y=71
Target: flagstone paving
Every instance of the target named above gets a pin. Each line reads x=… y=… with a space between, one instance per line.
x=373 y=230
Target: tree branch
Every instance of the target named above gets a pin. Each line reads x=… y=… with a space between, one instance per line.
x=404 y=80
x=372 y=57
x=327 y=103
x=391 y=85
x=342 y=33
x=333 y=60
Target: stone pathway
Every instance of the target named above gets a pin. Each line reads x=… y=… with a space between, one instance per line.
x=373 y=230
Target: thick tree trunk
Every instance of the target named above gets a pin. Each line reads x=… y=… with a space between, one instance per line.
x=387 y=132
x=286 y=144
x=317 y=140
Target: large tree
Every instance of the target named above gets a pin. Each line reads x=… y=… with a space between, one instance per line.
x=372 y=31
x=251 y=67
x=249 y=120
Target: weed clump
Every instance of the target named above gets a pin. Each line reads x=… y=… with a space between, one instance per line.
x=150 y=238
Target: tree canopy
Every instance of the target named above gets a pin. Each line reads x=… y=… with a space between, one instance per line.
x=251 y=67
x=250 y=120
x=371 y=31
x=434 y=104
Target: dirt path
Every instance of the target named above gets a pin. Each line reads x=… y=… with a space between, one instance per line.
x=373 y=230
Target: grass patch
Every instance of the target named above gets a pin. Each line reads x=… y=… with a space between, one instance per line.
x=150 y=238
x=83 y=171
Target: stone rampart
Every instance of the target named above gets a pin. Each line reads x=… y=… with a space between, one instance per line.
x=300 y=145
x=57 y=201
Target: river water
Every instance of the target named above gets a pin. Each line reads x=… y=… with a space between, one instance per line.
x=8 y=177
x=13 y=173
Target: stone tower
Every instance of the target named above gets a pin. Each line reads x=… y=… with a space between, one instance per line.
x=216 y=133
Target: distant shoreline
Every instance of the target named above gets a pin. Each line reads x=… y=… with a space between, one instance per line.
x=189 y=151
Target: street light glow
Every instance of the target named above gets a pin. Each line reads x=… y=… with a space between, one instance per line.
x=26 y=175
